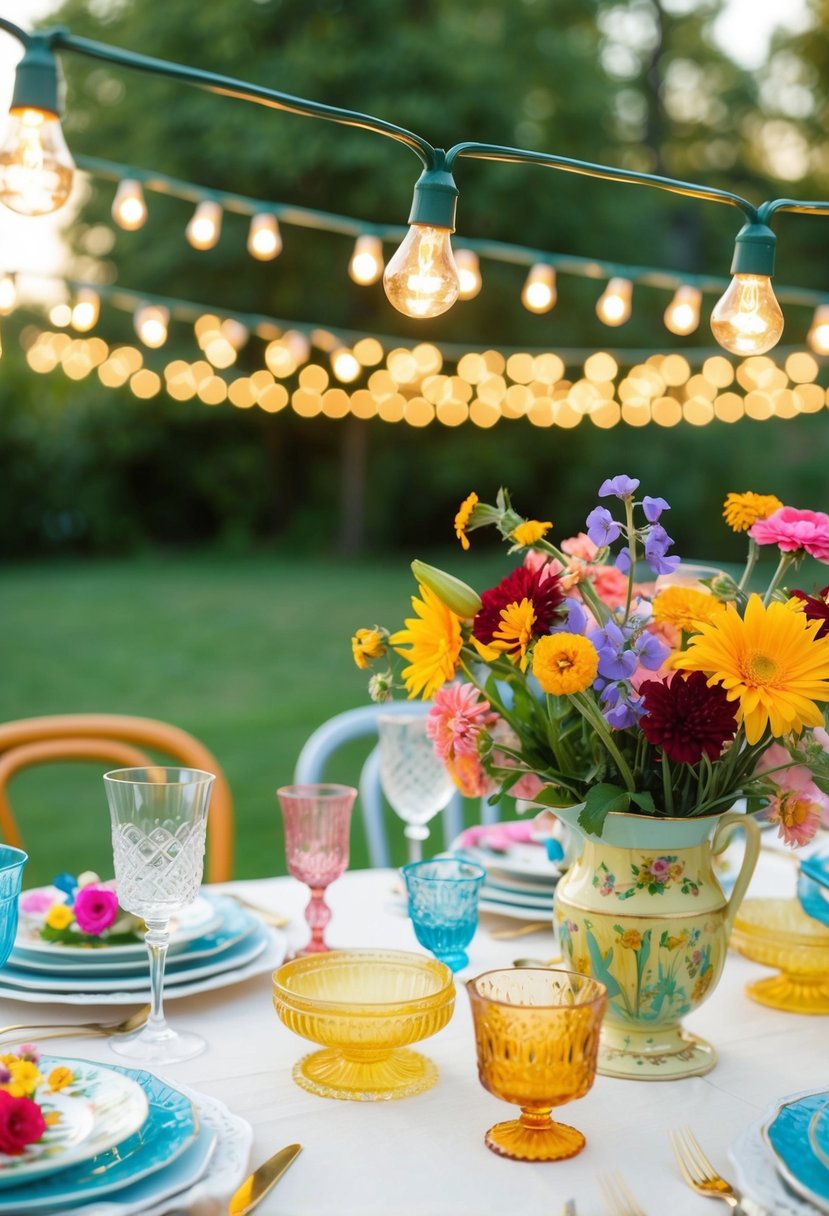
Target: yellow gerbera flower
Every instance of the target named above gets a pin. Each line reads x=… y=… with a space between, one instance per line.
x=685 y=607
x=59 y=916
x=515 y=631
x=530 y=532
x=434 y=644
x=565 y=663
x=743 y=510
x=368 y=644
x=463 y=516
x=770 y=661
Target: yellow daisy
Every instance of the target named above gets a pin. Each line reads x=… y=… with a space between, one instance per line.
x=434 y=643
x=530 y=532
x=743 y=510
x=770 y=662
x=515 y=631
x=564 y=663
x=463 y=516
x=685 y=607
x=59 y=916
x=368 y=644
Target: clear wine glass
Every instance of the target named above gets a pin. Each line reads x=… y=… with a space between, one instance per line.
x=317 y=832
x=159 y=820
x=415 y=781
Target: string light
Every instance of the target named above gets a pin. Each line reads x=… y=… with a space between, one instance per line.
x=421 y=280
x=87 y=310
x=747 y=320
x=818 y=336
x=129 y=208
x=206 y=225
x=345 y=366
x=8 y=294
x=60 y=315
x=614 y=304
x=469 y=273
x=539 y=291
x=682 y=314
x=366 y=264
x=264 y=237
x=151 y=325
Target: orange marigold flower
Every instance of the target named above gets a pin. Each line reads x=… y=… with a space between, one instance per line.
x=530 y=532
x=463 y=517
x=685 y=607
x=368 y=644
x=743 y=510
x=60 y=1077
x=565 y=663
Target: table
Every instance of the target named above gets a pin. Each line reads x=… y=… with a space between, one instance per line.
x=425 y=1156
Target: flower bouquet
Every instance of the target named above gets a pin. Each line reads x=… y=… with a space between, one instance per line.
x=80 y=911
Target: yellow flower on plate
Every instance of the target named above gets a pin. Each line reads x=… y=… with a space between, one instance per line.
x=463 y=516
x=367 y=644
x=431 y=642
x=685 y=607
x=743 y=510
x=565 y=663
x=60 y=1077
x=59 y=916
x=770 y=662
x=25 y=1077
x=530 y=532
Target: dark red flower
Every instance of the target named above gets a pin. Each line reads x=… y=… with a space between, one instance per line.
x=816 y=608
x=21 y=1123
x=522 y=584
x=686 y=718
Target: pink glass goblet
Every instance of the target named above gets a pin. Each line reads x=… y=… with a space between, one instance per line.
x=317 y=827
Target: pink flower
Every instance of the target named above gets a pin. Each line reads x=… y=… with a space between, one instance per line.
x=469 y=776
x=660 y=868
x=21 y=1123
x=580 y=546
x=96 y=908
x=527 y=787
x=37 y=903
x=791 y=529
x=456 y=720
x=797 y=805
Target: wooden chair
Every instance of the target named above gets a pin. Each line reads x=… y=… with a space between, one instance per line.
x=120 y=741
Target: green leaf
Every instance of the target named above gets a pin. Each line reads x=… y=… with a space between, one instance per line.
x=645 y=802
x=553 y=797
x=600 y=801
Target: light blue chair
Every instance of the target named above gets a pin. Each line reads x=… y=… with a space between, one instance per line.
x=362 y=723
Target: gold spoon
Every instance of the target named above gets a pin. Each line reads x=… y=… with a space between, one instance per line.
x=537 y=962
x=134 y=1022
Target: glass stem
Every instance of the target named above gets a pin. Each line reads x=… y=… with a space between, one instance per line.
x=317 y=914
x=157 y=939
x=415 y=834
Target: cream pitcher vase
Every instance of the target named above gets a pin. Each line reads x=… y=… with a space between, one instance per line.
x=642 y=911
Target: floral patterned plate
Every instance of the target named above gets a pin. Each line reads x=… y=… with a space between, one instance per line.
x=96 y=1111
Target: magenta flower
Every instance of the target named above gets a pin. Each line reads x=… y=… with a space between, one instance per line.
x=791 y=529
x=96 y=908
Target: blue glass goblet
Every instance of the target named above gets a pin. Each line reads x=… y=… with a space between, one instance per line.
x=443 y=906
x=12 y=862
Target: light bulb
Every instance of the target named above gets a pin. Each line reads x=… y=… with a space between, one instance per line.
x=747 y=320
x=818 y=335
x=36 y=168
x=613 y=306
x=8 y=294
x=682 y=314
x=129 y=210
x=366 y=265
x=539 y=291
x=421 y=280
x=60 y=315
x=236 y=333
x=205 y=226
x=345 y=366
x=151 y=324
x=469 y=273
x=264 y=237
x=86 y=311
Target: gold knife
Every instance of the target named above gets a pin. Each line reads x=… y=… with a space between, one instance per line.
x=257 y=1185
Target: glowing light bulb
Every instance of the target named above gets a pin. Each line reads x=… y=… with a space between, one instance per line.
x=818 y=336
x=129 y=210
x=36 y=168
x=151 y=324
x=8 y=294
x=366 y=265
x=205 y=226
x=682 y=314
x=469 y=273
x=345 y=366
x=60 y=315
x=264 y=237
x=86 y=311
x=747 y=320
x=613 y=305
x=421 y=280
x=539 y=292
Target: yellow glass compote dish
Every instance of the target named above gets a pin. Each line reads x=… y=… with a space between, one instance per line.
x=364 y=1007
x=778 y=933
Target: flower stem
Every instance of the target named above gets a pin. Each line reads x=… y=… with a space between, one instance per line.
x=667 y=786
x=751 y=562
x=786 y=560
x=589 y=711
x=631 y=533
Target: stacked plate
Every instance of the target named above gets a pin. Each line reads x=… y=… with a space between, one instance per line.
x=214 y=942
x=520 y=877
x=125 y=1143
x=782 y=1161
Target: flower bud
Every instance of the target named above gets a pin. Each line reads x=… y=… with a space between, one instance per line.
x=456 y=595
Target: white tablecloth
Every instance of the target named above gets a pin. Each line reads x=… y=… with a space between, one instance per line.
x=425 y=1156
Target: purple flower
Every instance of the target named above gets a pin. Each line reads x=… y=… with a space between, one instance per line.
x=623 y=560
x=657 y=543
x=622 y=486
x=653 y=508
x=622 y=716
x=652 y=653
x=575 y=621
x=602 y=528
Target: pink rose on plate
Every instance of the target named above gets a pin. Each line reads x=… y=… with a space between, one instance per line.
x=96 y=908
x=21 y=1123
x=38 y=902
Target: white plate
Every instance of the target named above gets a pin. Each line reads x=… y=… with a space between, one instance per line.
x=519 y=860
x=516 y=912
x=756 y=1174
x=98 y=1109
x=271 y=957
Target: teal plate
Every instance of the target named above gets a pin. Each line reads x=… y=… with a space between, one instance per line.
x=791 y=1140
x=170 y=1128
x=819 y=1133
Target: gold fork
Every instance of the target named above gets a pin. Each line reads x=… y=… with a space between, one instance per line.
x=699 y=1172
x=134 y=1022
x=618 y=1195
x=275 y=919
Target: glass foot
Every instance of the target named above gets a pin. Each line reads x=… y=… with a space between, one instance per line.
x=662 y=1054
x=401 y=1074
x=553 y=1142
x=165 y=1046
x=794 y=994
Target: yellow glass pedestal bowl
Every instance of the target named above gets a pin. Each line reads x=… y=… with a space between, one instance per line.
x=365 y=1007
x=778 y=933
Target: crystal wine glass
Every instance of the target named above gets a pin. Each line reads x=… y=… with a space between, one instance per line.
x=415 y=781
x=159 y=820
x=317 y=829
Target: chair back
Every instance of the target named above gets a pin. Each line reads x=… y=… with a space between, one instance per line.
x=122 y=741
